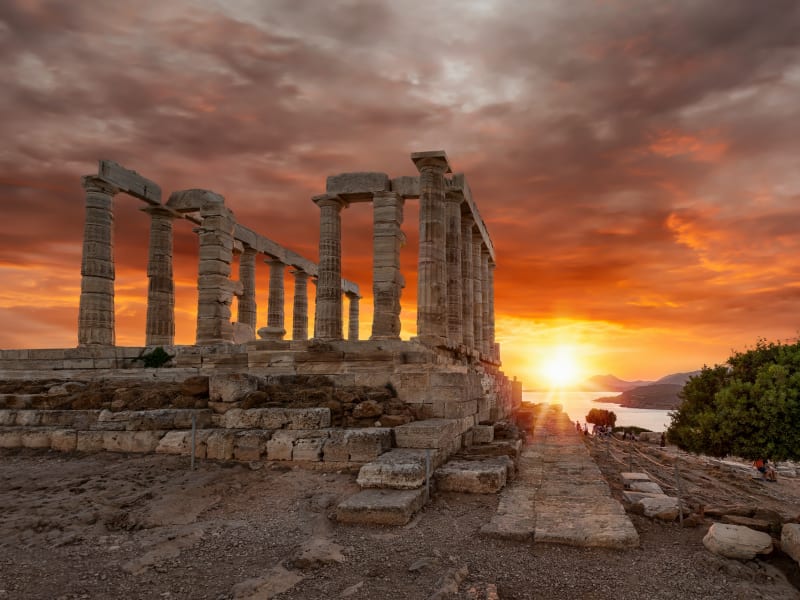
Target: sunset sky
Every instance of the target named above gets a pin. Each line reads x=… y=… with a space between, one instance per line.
x=637 y=162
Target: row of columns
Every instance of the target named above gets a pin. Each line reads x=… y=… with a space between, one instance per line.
x=455 y=290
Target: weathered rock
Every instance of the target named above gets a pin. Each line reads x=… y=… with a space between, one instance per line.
x=736 y=541
x=381 y=507
x=664 y=508
x=790 y=540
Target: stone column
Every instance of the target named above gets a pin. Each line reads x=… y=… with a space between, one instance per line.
x=247 y=276
x=492 y=344
x=387 y=281
x=328 y=313
x=485 y=336
x=468 y=277
x=352 y=321
x=96 y=312
x=477 y=289
x=215 y=290
x=432 y=280
x=160 y=328
x=455 y=301
x=274 y=329
x=300 y=306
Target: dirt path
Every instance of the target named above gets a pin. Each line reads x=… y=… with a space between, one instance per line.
x=117 y=526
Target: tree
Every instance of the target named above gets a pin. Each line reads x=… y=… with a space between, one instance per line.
x=749 y=407
x=599 y=416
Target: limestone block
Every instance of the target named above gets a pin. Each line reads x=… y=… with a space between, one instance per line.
x=368 y=443
x=397 y=469
x=273 y=418
x=646 y=486
x=10 y=438
x=381 y=507
x=89 y=441
x=7 y=417
x=231 y=387
x=280 y=446
x=790 y=540
x=457 y=409
x=486 y=476
x=335 y=447
x=406 y=186
x=182 y=419
x=628 y=478
x=482 y=434
x=308 y=449
x=251 y=445
x=175 y=442
x=430 y=433
x=466 y=439
x=220 y=445
x=308 y=418
x=28 y=418
x=35 y=438
x=131 y=441
x=237 y=418
x=151 y=420
x=357 y=186
x=664 y=508
x=736 y=541
x=64 y=440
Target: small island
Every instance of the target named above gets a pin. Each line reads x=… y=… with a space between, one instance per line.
x=659 y=396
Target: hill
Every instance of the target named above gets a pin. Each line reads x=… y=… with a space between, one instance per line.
x=678 y=378
x=610 y=383
x=660 y=396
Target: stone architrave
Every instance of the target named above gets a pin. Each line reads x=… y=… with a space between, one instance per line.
x=477 y=289
x=468 y=278
x=328 y=313
x=387 y=281
x=485 y=337
x=96 y=312
x=275 y=319
x=495 y=355
x=215 y=290
x=300 y=306
x=160 y=327
x=432 y=274
x=455 y=300
x=352 y=320
x=247 y=276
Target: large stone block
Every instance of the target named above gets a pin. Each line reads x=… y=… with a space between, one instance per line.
x=482 y=434
x=251 y=445
x=735 y=541
x=357 y=186
x=281 y=445
x=381 y=507
x=486 y=476
x=220 y=445
x=308 y=449
x=64 y=440
x=308 y=418
x=90 y=441
x=790 y=540
x=231 y=387
x=131 y=441
x=430 y=433
x=398 y=469
x=335 y=448
x=367 y=444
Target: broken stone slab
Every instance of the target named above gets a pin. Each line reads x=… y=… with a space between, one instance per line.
x=752 y=523
x=790 y=540
x=487 y=476
x=663 y=508
x=646 y=486
x=381 y=507
x=736 y=541
x=400 y=469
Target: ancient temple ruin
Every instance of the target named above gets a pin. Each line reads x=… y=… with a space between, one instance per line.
x=257 y=392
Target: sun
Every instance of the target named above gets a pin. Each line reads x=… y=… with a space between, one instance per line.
x=560 y=367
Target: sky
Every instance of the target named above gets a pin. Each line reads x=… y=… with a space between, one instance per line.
x=635 y=161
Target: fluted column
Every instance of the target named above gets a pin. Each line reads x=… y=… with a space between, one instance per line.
x=455 y=301
x=247 y=275
x=300 y=306
x=387 y=281
x=215 y=290
x=275 y=320
x=468 y=277
x=485 y=336
x=492 y=345
x=477 y=290
x=328 y=314
x=432 y=280
x=96 y=311
x=352 y=321
x=160 y=327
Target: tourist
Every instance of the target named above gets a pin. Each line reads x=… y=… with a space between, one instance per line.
x=769 y=471
x=578 y=426
x=663 y=442
x=761 y=467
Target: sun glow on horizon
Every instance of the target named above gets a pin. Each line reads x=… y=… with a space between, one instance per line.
x=560 y=367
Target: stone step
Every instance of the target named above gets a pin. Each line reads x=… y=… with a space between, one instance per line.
x=381 y=507
x=430 y=433
x=400 y=469
x=485 y=476
x=628 y=477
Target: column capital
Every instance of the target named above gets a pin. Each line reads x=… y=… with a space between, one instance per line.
x=271 y=260
x=93 y=183
x=352 y=296
x=300 y=274
x=455 y=196
x=388 y=194
x=160 y=210
x=334 y=200
x=431 y=159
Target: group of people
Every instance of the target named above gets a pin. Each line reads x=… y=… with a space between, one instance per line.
x=597 y=430
x=766 y=468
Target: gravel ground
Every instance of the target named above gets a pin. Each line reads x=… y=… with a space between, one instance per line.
x=117 y=526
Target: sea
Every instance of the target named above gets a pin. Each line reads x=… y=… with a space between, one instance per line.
x=578 y=404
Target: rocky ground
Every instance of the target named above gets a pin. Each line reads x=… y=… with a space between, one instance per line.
x=145 y=526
